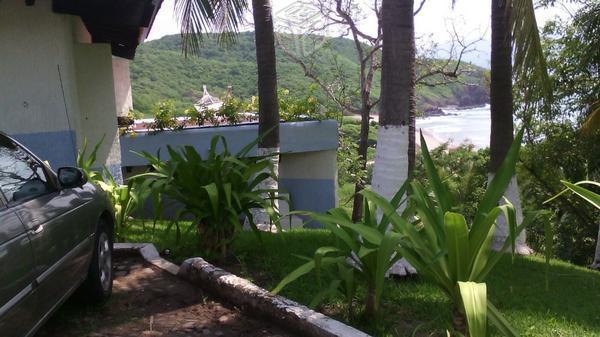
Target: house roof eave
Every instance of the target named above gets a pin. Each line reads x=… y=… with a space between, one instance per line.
x=122 y=23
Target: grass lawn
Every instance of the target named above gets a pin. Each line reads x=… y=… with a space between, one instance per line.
x=570 y=306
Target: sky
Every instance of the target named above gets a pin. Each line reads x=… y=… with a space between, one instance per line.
x=470 y=17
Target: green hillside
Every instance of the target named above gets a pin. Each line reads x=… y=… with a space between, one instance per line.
x=160 y=71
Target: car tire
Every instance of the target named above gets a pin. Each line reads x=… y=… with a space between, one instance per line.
x=97 y=287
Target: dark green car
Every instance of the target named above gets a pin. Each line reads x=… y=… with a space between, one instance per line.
x=56 y=236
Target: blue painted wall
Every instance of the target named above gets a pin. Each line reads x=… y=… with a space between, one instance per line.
x=315 y=195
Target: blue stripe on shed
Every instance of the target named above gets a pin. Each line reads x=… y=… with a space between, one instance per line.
x=315 y=195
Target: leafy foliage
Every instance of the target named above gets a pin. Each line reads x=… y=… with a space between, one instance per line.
x=165 y=117
x=196 y=17
x=587 y=195
x=560 y=145
x=463 y=170
x=444 y=248
x=563 y=154
x=126 y=199
x=304 y=107
x=217 y=192
x=572 y=48
x=231 y=109
x=363 y=253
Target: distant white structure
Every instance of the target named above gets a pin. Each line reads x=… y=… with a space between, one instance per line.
x=207 y=102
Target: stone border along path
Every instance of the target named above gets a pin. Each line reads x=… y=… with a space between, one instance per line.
x=247 y=295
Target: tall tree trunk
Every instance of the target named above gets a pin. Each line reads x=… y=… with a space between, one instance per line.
x=363 y=145
x=596 y=263
x=268 y=105
x=501 y=106
x=397 y=103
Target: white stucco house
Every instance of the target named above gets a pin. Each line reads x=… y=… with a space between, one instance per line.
x=64 y=73
x=64 y=78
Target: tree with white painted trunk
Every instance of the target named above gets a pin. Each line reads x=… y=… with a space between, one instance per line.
x=345 y=16
x=268 y=105
x=394 y=156
x=513 y=25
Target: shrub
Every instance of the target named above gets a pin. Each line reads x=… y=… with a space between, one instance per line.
x=564 y=153
x=443 y=248
x=363 y=253
x=308 y=107
x=165 y=117
x=464 y=173
x=217 y=192
x=231 y=109
x=125 y=199
x=202 y=116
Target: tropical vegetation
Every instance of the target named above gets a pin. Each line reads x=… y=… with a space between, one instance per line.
x=125 y=198
x=448 y=220
x=217 y=192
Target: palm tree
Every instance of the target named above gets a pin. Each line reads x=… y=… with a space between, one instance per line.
x=225 y=17
x=501 y=108
x=268 y=104
x=391 y=166
x=513 y=24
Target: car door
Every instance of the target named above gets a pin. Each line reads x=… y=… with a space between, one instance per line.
x=57 y=225
x=17 y=273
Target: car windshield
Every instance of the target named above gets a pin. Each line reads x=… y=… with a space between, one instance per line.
x=21 y=176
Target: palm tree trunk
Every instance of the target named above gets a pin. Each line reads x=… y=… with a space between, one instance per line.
x=268 y=105
x=596 y=263
x=391 y=166
x=501 y=106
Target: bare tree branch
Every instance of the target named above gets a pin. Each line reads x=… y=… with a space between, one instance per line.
x=450 y=70
x=420 y=7
x=308 y=72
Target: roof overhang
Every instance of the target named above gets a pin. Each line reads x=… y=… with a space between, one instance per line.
x=122 y=23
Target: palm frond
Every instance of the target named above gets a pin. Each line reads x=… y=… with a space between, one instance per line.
x=529 y=59
x=229 y=16
x=197 y=17
x=592 y=122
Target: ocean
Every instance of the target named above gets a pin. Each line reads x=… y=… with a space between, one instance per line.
x=460 y=126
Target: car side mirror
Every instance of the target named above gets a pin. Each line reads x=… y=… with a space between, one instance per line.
x=71 y=177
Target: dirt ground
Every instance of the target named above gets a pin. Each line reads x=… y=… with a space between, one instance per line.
x=147 y=301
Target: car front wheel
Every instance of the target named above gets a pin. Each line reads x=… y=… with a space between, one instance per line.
x=98 y=285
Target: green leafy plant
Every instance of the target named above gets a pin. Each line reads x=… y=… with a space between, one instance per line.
x=86 y=162
x=217 y=192
x=306 y=107
x=561 y=153
x=446 y=250
x=125 y=199
x=464 y=172
x=589 y=196
x=202 y=116
x=363 y=253
x=165 y=117
x=231 y=110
